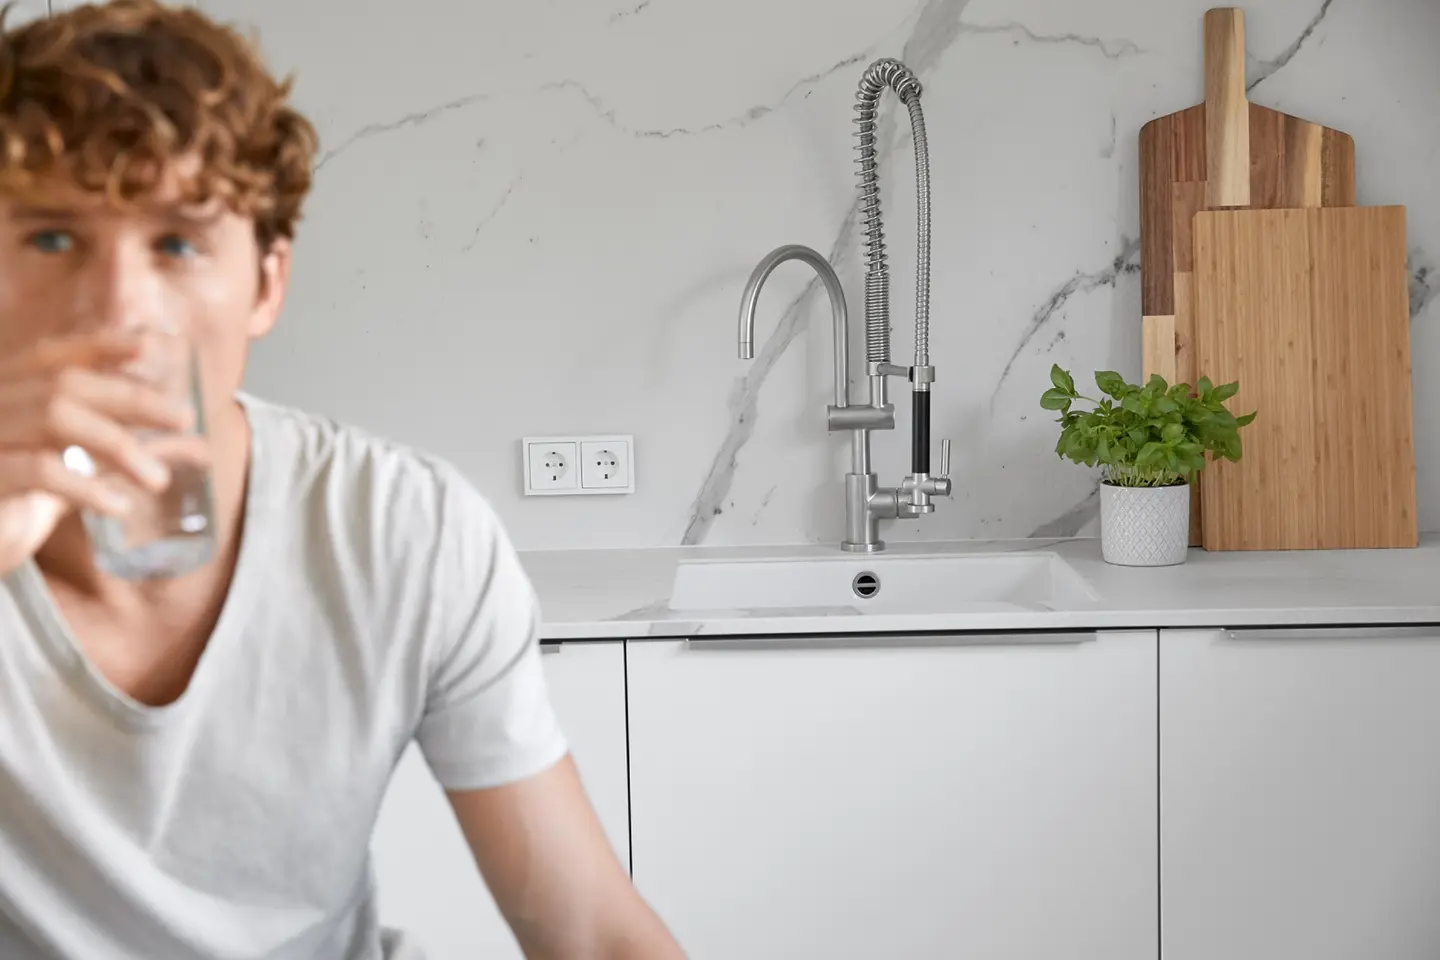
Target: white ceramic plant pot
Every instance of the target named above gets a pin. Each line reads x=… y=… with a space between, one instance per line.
x=1144 y=526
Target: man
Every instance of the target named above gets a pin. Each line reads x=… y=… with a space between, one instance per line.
x=191 y=767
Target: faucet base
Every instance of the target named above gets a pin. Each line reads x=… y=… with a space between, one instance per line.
x=862 y=527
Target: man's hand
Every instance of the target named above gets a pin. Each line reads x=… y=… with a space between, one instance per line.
x=66 y=393
x=554 y=875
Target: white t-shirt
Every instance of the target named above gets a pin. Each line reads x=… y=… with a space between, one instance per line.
x=376 y=599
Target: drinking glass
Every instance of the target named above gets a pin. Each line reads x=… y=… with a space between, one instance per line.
x=172 y=532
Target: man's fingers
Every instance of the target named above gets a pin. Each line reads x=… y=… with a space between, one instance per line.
x=105 y=348
x=29 y=410
x=70 y=423
x=28 y=472
x=68 y=400
x=180 y=450
x=124 y=399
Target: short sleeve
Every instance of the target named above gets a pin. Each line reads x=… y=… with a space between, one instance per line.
x=488 y=719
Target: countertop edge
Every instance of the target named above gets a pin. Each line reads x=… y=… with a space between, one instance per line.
x=973 y=623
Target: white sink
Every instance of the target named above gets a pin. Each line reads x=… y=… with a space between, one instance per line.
x=882 y=584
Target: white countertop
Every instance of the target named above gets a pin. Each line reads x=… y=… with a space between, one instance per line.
x=600 y=594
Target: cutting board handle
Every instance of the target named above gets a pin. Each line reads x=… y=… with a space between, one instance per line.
x=1227 y=111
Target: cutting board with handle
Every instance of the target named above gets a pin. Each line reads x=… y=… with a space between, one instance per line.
x=1223 y=153
x=1309 y=310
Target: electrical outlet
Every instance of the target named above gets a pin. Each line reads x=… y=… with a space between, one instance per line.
x=606 y=465
x=570 y=466
x=550 y=466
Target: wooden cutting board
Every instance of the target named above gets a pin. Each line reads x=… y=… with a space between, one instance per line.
x=1309 y=310
x=1226 y=152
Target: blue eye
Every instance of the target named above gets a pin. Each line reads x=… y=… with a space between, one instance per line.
x=52 y=241
x=174 y=245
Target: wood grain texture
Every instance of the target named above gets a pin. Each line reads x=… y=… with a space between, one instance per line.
x=1172 y=150
x=1186 y=371
x=1288 y=157
x=1157 y=342
x=1292 y=163
x=1227 y=121
x=1337 y=169
x=1309 y=310
x=1303 y=178
x=1288 y=162
x=1186 y=200
x=1189 y=162
x=1187 y=367
x=1157 y=176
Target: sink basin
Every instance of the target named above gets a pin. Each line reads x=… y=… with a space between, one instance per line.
x=882 y=584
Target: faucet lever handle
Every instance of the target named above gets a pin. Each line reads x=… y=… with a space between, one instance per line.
x=944 y=458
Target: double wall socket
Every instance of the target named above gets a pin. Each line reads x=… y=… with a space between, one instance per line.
x=573 y=466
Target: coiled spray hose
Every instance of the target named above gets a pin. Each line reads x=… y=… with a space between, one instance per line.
x=896 y=76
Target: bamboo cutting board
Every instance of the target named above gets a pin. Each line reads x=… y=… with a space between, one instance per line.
x=1226 y=152
x=1309 y=310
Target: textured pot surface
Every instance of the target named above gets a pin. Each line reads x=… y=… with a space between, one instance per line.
x=1144 y=526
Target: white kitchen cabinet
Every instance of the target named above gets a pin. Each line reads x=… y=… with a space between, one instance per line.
x=934 y=799
x=428 y=882
x=1300 y=794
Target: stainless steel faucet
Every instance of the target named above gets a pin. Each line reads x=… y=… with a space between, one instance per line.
x=866 y=502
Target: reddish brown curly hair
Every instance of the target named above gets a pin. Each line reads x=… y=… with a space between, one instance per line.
x=110 y=95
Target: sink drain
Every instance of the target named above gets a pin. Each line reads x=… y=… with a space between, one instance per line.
x=865 y=585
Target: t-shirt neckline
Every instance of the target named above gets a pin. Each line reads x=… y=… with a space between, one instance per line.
x=54 y=633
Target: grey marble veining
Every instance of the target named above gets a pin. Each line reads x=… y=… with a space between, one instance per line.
x=1258 y=71
x=1074 y=521
x=1423 y=283
x=1126 y=263
x=1110 y=49
x=538 y=218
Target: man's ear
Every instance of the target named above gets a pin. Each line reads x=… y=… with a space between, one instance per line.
x=274 y=281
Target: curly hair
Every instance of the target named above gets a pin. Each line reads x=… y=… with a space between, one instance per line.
x=112 y=95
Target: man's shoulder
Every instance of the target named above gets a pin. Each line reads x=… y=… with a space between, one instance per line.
x=369 y=484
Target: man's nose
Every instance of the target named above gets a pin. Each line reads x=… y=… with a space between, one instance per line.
x=120 y=288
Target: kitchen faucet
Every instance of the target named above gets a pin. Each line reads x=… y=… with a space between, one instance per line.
x=866 y=502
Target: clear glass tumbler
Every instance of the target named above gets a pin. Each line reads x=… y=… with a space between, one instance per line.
x=173 y=532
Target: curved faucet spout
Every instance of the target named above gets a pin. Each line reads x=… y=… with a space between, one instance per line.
x=867 y=502
x=838 y=312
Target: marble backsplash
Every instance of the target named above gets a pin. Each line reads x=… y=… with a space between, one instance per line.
x=536 y=218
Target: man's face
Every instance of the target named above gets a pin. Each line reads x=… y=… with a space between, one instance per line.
x=71 y=263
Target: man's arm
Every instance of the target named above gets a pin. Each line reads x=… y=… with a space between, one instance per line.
x=491 y=737
x=551 y=869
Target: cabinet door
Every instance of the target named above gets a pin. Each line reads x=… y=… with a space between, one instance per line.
x=1300 y=794
x=428 y=883
x=960 y=797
